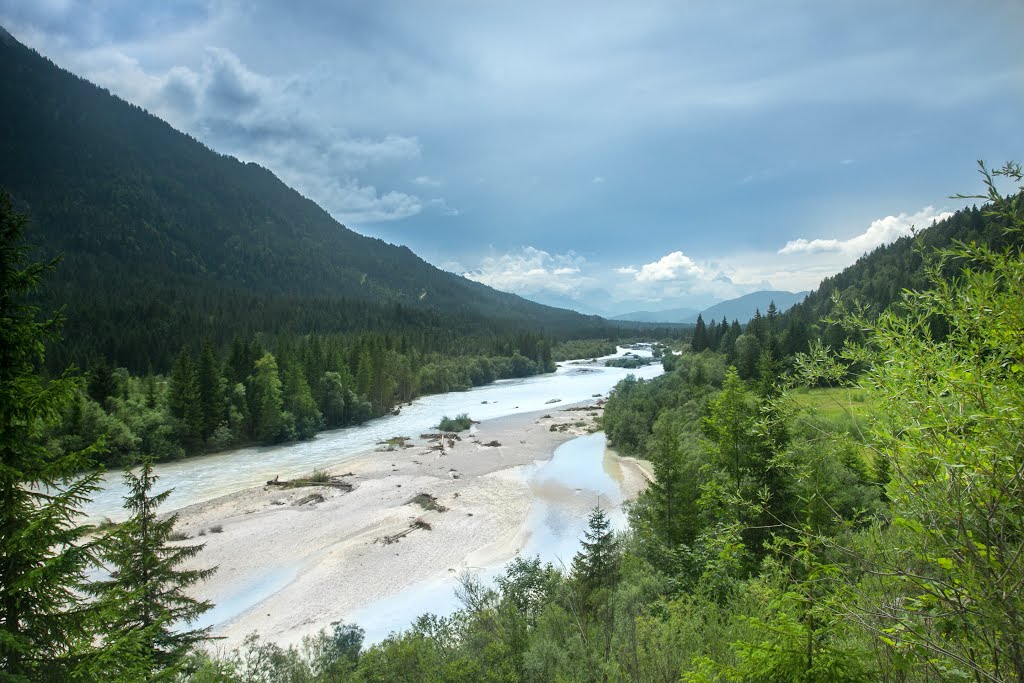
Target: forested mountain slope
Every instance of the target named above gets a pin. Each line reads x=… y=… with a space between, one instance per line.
x=165 y=241
x=877 y=279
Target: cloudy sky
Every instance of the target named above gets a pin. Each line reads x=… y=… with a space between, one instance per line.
x=607 y=156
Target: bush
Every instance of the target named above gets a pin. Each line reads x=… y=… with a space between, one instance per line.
x=319 y=476
x=457 y=424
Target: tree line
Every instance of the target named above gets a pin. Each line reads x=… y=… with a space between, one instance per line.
x=782 y=539
x=779 y=541
x=257 y=394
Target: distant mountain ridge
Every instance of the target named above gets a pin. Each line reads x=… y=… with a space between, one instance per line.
x=741 y=308
x=162 y=236
x=669 y=315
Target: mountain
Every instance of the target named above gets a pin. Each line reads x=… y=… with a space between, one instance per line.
x=671 y=315
x=877 y=279
x=166 y=242
x=743 y=308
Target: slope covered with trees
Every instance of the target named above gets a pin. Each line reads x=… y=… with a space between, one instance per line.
x=877 y=280
x=166 y=242
x=778 y=542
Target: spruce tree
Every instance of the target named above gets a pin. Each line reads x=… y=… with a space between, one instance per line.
x=595 y=566
x=183 y=399
x=700 y=336
x=44 y=626
x=143 y=603
x=210 y=386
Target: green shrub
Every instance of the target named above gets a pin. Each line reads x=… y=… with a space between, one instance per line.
x=457 y=424
x=319 y=476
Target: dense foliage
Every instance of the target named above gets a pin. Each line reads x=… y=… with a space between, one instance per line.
x=258 y=395
x=167 y=243
x=777 y=544
x=774 y=544
x=50 y=559
x=44 y=551
x=878 y=279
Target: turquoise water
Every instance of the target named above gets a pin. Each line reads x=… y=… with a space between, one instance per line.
x=580 y=475
x=202 y=478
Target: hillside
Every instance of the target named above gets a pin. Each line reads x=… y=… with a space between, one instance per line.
x=877 y=279
x=671 y=315
x=742 y=308
x=166 y=242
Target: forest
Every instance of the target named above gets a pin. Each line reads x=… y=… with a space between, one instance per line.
x=849 y=512
x=258 y=394
x=166 y=243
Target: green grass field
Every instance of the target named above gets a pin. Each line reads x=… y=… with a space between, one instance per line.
x=839 y=410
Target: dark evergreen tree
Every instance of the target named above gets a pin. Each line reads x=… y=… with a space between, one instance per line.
x=183 y=399
x=210 y=387
x=102 y=382
x=596 y=565
x=331 y=396
x=700 y=335
x=44 y=629
x=143 y=605
x=306 y=419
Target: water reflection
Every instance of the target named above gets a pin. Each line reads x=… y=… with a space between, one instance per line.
x=581 y=474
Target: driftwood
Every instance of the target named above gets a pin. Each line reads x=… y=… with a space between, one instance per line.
x=311 y=498
x=492 y=444
x=578 y=408
x=395 y=538
x=436 y=436
x=335 y=482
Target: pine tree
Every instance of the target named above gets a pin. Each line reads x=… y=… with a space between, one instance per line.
x=143 y=603
x=595 y=566
x=183 y=398
x=700 y=336
x=210 y=385
x=332 y=399
x=44 y=626
x=102 y=382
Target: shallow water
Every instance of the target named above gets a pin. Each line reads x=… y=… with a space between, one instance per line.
x=247 y=596
x=201 y=478
x=581 y=474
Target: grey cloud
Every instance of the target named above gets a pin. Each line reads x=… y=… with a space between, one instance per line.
x=229 y=89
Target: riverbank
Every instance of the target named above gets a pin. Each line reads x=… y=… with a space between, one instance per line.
x=289 y=568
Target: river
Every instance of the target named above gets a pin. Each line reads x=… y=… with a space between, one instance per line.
x=582 y=473
x=202 y=478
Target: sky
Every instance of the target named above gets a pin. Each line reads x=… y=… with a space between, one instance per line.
x=607 y=157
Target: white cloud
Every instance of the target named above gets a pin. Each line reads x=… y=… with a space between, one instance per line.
x=678 y=280
x=532 y=271
x=426 y=181
x=263 y=119
x=881 y=231
x=674 y=266
x=597 y=180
